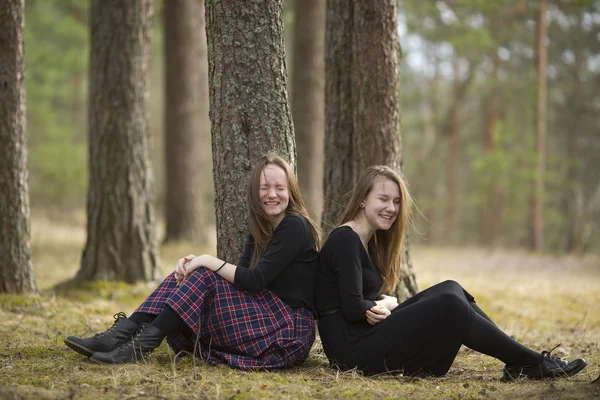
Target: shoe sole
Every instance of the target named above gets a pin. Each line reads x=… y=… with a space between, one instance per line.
x=507 y=377
x=78 y=348
x=99 y=362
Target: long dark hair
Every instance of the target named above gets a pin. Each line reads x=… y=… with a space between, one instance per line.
x=385 y=247
x=259 y=223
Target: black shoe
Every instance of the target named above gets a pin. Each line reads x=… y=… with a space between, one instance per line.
x=550 y=367
x=109 y=340
x=146 y=339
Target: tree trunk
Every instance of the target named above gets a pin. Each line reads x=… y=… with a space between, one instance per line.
x=537 y=214
x=187 y=142
x=16 y=269
x=249 y=107
x=452 y=171
x=574 y=197
x=121 y=242
x=362 y=103
x=308 y=99
x=490 y=210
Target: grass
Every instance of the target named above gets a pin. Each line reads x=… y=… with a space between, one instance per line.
x=541 y=300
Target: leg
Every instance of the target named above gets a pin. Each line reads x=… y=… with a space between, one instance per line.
x=479 y=311
x=162 y=313
x=487 y=338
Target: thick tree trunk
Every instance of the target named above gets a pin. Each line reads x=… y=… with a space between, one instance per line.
x=121 y=243
x=187 y=142
x=249 y=107
x=362 y=103
x=16 y=270
x=537 y=206
x=308 y=99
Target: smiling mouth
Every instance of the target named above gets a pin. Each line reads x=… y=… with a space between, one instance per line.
x=388 y=217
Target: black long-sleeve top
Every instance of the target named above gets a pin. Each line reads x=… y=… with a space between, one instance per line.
x=288 y=267
x=347 y=279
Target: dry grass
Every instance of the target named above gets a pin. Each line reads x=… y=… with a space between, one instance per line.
x=541 y=300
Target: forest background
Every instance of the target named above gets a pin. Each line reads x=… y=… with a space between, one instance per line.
x=467 y=108
x=469 y=104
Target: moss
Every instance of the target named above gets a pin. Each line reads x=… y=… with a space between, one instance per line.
x=16 y=303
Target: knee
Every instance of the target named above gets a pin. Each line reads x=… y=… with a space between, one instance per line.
x=450 y=284
x=452 y=302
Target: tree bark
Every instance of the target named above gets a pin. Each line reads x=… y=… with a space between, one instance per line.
x=249 y=107
x=362 y=103
x=537 y=206
x=121 y=243
x=308 y=99
x=16 y=269
x=187 y=141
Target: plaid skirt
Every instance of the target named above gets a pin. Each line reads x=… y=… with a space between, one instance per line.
x=231 y=327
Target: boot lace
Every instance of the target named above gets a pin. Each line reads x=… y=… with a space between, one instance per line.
x=556 y=360
x=118 y=318
x=132 y=342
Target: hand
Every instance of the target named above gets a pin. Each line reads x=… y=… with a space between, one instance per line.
x=389 y=302
x=180 y=270
x=376 y=314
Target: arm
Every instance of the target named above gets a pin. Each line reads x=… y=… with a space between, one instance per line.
x=347 y=263
x=289 y=238
x=188 y=264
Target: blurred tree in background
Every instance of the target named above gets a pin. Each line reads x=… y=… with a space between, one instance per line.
x=308 y=99
x=186 y=129
x=121 y=239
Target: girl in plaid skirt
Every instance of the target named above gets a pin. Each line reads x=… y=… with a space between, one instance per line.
x=257 y=314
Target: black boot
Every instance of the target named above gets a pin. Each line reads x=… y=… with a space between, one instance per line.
x=109 y=340
x=550 y=367
x=146 y=339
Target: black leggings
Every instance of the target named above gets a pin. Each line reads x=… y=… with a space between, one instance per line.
x=485 y=337
x=168 y=321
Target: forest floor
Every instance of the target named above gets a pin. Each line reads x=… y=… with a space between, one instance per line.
x=539 y=299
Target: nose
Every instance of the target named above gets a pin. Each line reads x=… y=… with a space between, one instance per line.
x=390 y=206
x=271 y=193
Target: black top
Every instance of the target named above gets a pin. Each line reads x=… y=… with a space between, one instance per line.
x=288 y=267
x=347 y=279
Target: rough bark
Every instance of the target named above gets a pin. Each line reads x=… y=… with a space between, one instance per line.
x=121 y=243
x=308 y=99
x=537 y=205
x=249 y=107
x=187 y=142
x=16 y=269
x=362 y=103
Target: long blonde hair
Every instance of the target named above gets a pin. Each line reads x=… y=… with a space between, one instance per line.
x=259 y=223
x=385 y=247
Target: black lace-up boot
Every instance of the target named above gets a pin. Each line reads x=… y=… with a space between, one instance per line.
x=109 y=340
x=146 y=339
x=550 y=367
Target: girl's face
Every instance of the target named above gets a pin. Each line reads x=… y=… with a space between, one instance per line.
x=382 y=204
x=273 y=192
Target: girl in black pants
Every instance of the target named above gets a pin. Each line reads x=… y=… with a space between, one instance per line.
x=362 y=328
